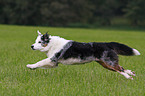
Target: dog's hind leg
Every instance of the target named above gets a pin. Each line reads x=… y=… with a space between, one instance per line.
x=109 y=60
x=116 y=68
x=130 y=72
x=45 y=63
x=126 y=75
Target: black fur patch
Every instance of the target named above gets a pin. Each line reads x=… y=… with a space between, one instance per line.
x=106 y=52
x=45 y=38
x=120 y=48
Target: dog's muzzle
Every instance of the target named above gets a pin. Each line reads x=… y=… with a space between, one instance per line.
x=32 y=47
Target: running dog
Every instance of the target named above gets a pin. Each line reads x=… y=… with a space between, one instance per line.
x=68 y=52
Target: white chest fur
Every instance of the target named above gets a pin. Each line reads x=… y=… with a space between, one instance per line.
x=55 y=45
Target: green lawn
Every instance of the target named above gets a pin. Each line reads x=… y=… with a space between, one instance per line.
x=78 y=80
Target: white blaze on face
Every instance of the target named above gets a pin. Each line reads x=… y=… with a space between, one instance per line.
x=37 y=45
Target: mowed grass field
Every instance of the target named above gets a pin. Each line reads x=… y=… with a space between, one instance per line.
x=78 y=80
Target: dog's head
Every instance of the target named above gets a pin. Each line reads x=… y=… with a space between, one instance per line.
x=41 y=42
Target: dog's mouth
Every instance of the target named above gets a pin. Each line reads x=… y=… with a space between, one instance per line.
x=33 y=49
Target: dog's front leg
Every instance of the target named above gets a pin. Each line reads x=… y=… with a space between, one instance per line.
x=45 y=63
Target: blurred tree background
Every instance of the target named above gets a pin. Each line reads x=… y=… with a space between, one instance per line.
x=72 y=12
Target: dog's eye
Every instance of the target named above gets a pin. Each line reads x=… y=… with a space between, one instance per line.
x=39 y=42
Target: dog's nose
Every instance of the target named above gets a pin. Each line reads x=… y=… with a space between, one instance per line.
x=32 y=47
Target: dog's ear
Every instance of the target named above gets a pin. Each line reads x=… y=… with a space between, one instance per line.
x=45 y=38
x=38 y=32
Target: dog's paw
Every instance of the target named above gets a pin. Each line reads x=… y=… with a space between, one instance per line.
x=130 y=72
x=31 y=66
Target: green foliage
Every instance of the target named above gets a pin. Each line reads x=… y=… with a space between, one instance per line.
x=79 y=80
x=135 y=11
x=105 y=10
x=44 y=12
x=65 y=12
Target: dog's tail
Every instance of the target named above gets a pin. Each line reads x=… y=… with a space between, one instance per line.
x=122 y=49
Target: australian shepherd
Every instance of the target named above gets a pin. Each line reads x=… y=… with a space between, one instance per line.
x=68 y=52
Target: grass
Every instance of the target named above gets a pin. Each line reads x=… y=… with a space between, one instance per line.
x=79 y=80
